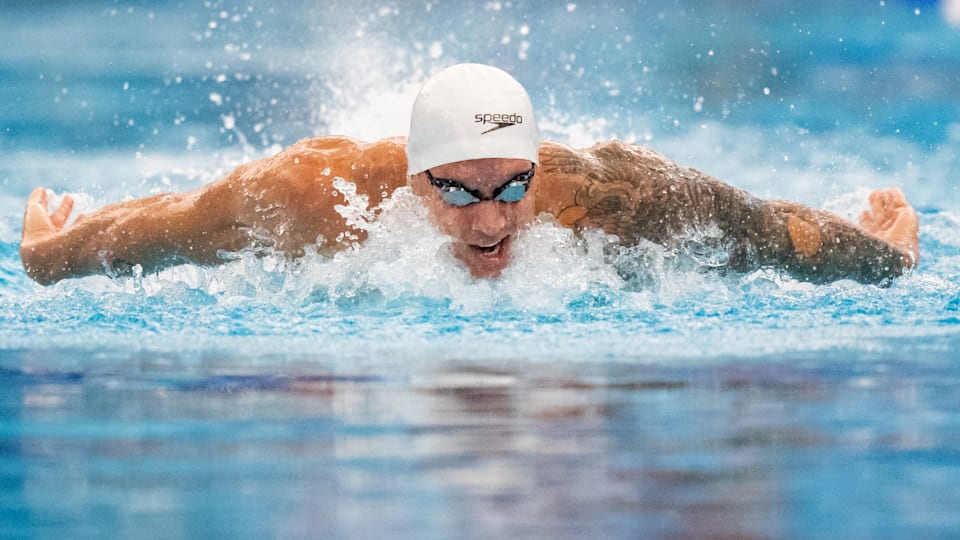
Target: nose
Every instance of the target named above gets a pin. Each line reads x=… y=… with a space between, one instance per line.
x=488 y=218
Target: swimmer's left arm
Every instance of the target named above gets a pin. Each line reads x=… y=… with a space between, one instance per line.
x=819 y=246
x=638 y=194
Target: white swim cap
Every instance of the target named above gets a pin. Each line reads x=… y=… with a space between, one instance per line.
x=470 y=111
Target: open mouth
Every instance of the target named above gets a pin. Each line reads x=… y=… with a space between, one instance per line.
x=492 y=250
x=486 y=260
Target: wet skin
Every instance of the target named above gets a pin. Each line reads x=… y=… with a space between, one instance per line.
x=288 y=202
x=483 y=232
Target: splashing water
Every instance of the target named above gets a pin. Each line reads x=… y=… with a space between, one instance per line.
x=582 y=295
x=383 y=388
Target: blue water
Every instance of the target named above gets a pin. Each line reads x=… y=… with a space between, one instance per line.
x=384 y=392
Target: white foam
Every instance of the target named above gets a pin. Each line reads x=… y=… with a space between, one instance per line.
x=850 y=206
x=7 y=233
x=371 y=99
x=404 y=255
x=576 y=132
x=374 y=113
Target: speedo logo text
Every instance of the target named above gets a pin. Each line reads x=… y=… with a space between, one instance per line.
x=501 y=120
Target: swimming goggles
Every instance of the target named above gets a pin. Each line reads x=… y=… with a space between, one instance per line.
x=457 y=194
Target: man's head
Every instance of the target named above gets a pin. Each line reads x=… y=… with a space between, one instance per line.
x=471 y=155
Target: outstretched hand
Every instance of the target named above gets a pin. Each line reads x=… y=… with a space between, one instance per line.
x=38 y=223
x=893 y=220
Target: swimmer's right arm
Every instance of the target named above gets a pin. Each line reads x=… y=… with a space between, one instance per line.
x=285 y=203
x=151 y=232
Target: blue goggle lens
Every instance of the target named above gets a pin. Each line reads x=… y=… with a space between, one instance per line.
x=456 y=194
x=513 y=192
x=458 y=197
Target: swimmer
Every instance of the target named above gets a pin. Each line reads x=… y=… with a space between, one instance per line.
x=473 y=155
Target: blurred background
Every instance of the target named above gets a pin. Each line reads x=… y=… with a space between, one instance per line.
x=783 y=98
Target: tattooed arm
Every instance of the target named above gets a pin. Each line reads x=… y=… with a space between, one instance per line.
x=635 y=194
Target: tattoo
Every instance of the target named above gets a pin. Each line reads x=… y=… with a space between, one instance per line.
x=637 y=194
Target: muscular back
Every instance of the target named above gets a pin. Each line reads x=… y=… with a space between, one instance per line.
x=290 y=199
x=625 y=190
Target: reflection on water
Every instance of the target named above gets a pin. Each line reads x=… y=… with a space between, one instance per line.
x=383 y=396
x=166 y=446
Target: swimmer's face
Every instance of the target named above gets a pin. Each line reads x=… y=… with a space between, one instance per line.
x=484 y=231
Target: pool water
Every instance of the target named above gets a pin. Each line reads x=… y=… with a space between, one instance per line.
x=588 y=393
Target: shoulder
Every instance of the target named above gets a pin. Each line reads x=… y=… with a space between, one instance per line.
x=602 y=184
x=339 y=144
x=606 y=155
x=577 y=183
x=335 y=147
x=607 y=162
x=314 y=157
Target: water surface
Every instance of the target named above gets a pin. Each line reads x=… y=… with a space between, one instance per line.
x=386 y=393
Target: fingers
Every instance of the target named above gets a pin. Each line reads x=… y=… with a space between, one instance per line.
x=59 y=217
x=908 y=227
x=887 y=199
x=892 y=219
x=903 y=235
x=885 y=205
x=38 y=197
x=37 y=222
